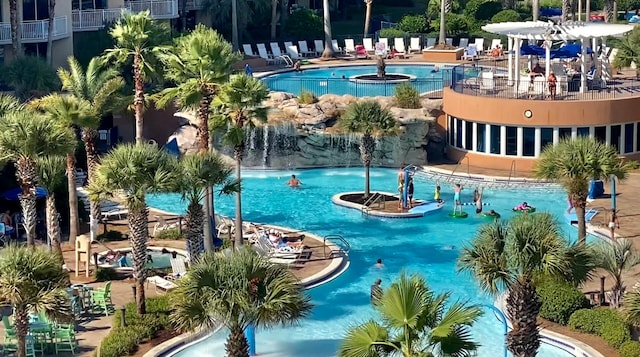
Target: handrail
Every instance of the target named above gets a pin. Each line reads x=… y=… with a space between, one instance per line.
x=458 y=165
x=372 y=198
x=336 y=237
x=512 y=169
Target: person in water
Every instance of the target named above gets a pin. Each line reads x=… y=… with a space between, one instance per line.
x=571 y=205
x=294 y=182
x=297 y=65
x=524 y=206
x=378 y=263
x=478 y=200
x=436 y=195
x=456 y=198
x=492 y=213
x=376 y=291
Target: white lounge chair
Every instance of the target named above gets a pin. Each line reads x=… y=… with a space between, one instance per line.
x=264 y=54
x=398 y=47
x=318 y=46
x=449 y=41
x=496 y=42
x=114 y=214
x=479 y=42
x=248 y=50
x=431 y=41
x=471 y=53
x=304 y=50
x=349 y=46
x=487 y=83
x=414 y=45
x=336 y=48
x=292 y=51
x=162 y=284
x=539 y=87
x=385 y=41
x=287 y=44
x=178 y=268
x=524 y=86
x=464 y=42
x=368 y=45
x=162 y=225
x=279 y=56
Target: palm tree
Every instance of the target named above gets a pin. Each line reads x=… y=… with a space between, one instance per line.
x=9 y=103
x=98 y=88
x=239 y=13
x=632 y=305
x=328 y=46
x=616 y=258
x=573 y=162
x=16 y=33
x=371 y=121
x=506 y=257
x=51 y=4
x=68 y=111
x=566 y=10
x=27 y=135
x=240 y=101
x=274 y=18
x=32 y=280
x=443 y=28
x=416 y=323
x=367 y=16
x=135 y=170
x=136 y=38
x=30 y=77
x=197 y=172
x=628 y=50
x=51 y=172
x=237 y=291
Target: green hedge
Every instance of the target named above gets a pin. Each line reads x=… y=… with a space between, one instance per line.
x=606 y=323
x=169 y=234
x=125 y=341
x=560 y=300
x=630 y=349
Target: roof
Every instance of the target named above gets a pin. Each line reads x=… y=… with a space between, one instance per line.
x=540 y=30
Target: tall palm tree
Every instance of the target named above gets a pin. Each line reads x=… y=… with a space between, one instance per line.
x=443 y=26
x=367 y=16
x=628 y=50
x=51 y=172
x=136 y=38
x=616 y=258
x=239 y=13
x=236 y=291
x=566 y=10
x=51 y=4
x=632 y=305
x=98 y=88
x=416 y=322
x=328 y=46
x=27 y=135
x=197 y=172
x=573 y=162
x=135 y=170
x=370 y=121
x=506 y=257
x=32 y=280
x=274 y=18
x=69 y=111
x=16 y=33
x=240 y=101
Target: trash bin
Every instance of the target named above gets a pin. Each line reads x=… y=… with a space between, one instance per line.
x=596 y=189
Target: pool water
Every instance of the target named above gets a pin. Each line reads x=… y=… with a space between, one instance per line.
x=321 y=81
x=159 y=260
x=428 y=245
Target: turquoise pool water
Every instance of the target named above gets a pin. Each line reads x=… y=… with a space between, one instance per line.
x=428 y=245
x=330 y=80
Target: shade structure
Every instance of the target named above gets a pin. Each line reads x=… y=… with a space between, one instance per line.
x=567 y=51
x=540 y=30
x=14 y=193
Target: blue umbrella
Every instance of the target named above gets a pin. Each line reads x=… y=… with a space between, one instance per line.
x=12 y=194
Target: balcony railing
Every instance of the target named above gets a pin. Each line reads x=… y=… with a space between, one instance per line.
x=91 y=20
x=160 y=9
x=35 y=31
x=194 y=4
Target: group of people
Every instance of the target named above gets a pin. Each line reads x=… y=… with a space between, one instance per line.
x=401 y=188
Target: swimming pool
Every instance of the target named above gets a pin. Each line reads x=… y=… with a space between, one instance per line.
x=428 y=245
x=327 y=80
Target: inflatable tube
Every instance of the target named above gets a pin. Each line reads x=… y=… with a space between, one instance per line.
x=489 y=217
x=473 y=204
x=528 y=210
x=458 y=215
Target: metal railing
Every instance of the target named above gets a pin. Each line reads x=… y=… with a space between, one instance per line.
x=335 y=238
x=512 y=170
x=160 y=9
x=91 y=20
x=467 y=79
x=35 y=30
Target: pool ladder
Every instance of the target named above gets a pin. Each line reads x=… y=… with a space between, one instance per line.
x=339 y=241
x=376 y=198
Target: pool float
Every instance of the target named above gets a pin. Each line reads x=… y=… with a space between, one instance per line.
x=489 y=216
x=528 y=210
x=458 y=215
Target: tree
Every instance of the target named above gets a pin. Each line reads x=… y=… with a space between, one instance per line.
x=30 y=77
x=328 y=45
x=32 y=280
x=135 y=170
x=51 y=4
x=370 y=121
x=507 y=257
x=628 y=50
x=367 y=16
x=97 y=88
x=239 y=13
x=51 y=172
x=136 y=38
x=274 y=18
x=240 y=102
x=632 y=305
x=573 y=162
x=616 y=258
x=27 y=135
x=444 y=5
x=68 y=111
x=16 y=33
x=197 y=172
x=416 y=322
x=237 y=291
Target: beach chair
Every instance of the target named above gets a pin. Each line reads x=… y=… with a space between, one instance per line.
x=471 y=53
x=114 y=214
x=278 y=55
x=524 y=86
x=431 y=41
x=318 y=46
x=161 y=284
x=292 y=51
x=361 y=52
x=385 y=41
x=349 y=46
x=336 y=48
x=496 y=42
x=178 y=268
x=464 y=42
x=162 y=225
x=368 y=45
x=248 y=50
x=304 y=50
x=487 y=83
x=287 y=44
x=398 y=47
x=448 y=41
x=262 y=51
x=479 y=42
x=414 y=45
x=539 y=87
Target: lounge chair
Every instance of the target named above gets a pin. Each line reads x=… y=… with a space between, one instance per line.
x=279 y=56
x=479 y=42
x=178 y=268
x=496 y=42
x=162 y=284
x=336 y=48
x=292 y=51
x=304 y=50
x=471 y=53
x=114 y=214
x=368 y=45
x=318 y=47
x=398 y=48
x=384 y=41
x=487 y=83
x=431 y=41
x=449 y=41
x=414 y=45
x=162 y=225
x=264 y=54
x=349 y=46
x=361 y=52
x=539 y=87
x=464 y=42
x=248 y=50
x=524 y=86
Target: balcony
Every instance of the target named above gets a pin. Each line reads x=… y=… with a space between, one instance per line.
x=194 y=5
x=160 y=9
x=95 y=19
x=35 y=31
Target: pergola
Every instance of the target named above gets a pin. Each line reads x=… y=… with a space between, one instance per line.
x=587 y=33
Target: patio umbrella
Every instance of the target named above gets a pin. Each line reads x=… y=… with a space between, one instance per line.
x=12 y=194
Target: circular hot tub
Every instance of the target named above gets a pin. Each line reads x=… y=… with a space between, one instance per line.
x=160 y=258
x=391 y=78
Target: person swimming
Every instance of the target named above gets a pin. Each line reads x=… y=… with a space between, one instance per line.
x=522 y=207
x=294 y=182
x=378 y=263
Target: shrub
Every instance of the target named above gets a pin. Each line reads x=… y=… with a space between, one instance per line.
x=106 y=274
x=392 y=33
x=407 y=96
x=304 y=23
x=506 y=16
x=124 y=341
x=560 y=300
x=413 y=24
x=482 y=10
x=111 y=236
x=608 y=324
x=307 y=98
x=169 y=234
x=615 y=332
x=630 y=349
x=455 y=24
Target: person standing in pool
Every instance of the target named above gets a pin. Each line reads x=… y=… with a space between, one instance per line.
x=376 y=292
x=456 y=198
x=436 y=195
x=478 y=200
x=294 y=182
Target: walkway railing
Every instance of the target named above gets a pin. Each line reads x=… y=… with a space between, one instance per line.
x=160 y=9
x=91 y=20
x=35 y=31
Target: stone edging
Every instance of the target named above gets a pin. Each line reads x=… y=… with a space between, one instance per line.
x=568 y=344
x=338 y=201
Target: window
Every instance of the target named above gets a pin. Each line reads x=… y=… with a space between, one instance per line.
x=35 y=10
x=628 y=138
x=601 y=133
x=451 y=132
x=564 y=133
x=512 y=140
x=583 y=131
x=459 y=133
x=468 y=140
x=482 y=134
x=616 y=131
x=546 y=137
x=529 y=142
x=88 y=4
x=495 y=139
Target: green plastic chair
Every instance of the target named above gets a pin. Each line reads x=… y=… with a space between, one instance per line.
x=30 y=347
x=10 y=343
x=101 y=298
x=64 y=337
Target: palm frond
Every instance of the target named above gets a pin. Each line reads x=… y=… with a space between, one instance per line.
x=51 y=171
x=366 y=340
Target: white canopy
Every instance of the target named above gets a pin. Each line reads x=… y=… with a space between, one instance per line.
x=540 y=30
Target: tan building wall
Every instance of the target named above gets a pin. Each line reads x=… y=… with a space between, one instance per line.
x=159 y=124
x=112 y=4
